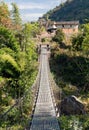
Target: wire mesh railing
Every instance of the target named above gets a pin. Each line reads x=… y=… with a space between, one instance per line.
x=59 y=91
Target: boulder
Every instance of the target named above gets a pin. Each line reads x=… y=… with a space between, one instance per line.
x=71 y=106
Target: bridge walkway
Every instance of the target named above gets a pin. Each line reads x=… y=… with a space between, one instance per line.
x=44 y=117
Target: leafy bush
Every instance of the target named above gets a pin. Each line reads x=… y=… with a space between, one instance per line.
x=9 y=51
x=71 y=68
x=7 y=39
x=74 y=122
x=77 y=42
x=81 y=40
x=59 y=36
x=9 y=67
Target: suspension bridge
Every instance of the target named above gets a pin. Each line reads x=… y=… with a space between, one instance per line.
x=44 y=117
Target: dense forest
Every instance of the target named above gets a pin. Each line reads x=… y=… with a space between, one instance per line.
x=18 y=67
x=70 y=10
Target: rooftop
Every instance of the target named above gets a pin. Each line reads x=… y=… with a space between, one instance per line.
x=67 y=23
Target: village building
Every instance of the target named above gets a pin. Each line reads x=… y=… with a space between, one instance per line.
x=69 y=28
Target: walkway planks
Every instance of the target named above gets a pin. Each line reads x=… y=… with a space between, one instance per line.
x=44 y=116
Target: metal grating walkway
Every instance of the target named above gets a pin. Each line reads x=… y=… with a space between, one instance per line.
x=44 y=116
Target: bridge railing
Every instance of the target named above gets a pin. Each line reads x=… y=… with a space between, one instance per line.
x=35 y=91
x=53 y=86
x=19 y=103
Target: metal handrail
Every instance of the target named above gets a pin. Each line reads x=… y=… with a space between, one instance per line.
x=52 y=93
x=35 y=97
x=36 y=94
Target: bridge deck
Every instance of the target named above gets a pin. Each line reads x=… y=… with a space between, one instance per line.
x=44 y=116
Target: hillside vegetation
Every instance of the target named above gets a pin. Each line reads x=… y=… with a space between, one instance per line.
x=70 y=68
x=70 y=10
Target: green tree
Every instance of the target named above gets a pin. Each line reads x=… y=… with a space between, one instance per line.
x=77 y=41
x=9 y=48
x=29 y=31
x=81 y=40
x=86 y=37
x=59 y=36
x=18 y=68
x=5 y=19
x=9 y=67
x=16 y=17
x=7 y=39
